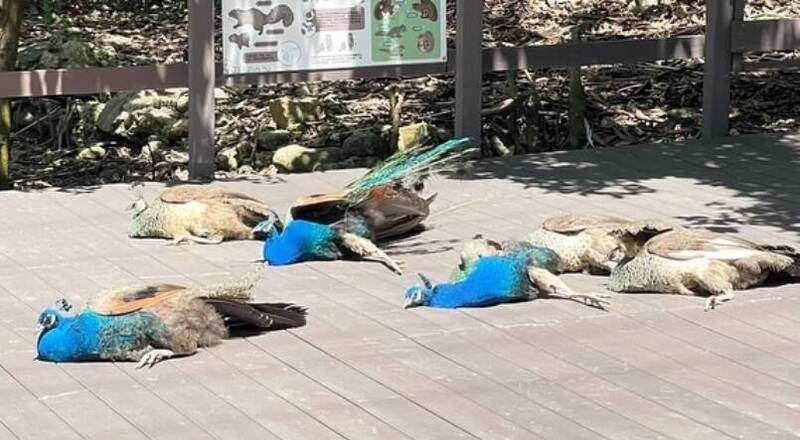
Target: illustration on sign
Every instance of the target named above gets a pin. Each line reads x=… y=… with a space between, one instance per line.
x=281 y=35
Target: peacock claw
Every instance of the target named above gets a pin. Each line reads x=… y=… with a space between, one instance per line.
x=713 y=301
x=153 y=357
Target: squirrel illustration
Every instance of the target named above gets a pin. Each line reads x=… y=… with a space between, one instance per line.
x=385 y=9
x=427 y=10
x=241 y=40
x=257 y=19
x=395 y=32
x=426 y=42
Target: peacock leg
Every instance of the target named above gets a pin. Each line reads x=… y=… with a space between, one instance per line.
x=551 y=285
x=153 y=357
x=714 y=300
x=195 y=239
x=368 y=250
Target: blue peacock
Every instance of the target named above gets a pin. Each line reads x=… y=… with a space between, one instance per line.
x=152 y=323
x=385 y=203
x=491 y=274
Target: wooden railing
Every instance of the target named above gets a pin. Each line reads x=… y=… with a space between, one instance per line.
x=727 y=37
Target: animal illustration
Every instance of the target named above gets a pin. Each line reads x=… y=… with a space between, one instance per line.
x=200 y=214
x=302 y=240
x=257 y=19
x=394 y=32
x=395 y=51
x=427 y=10
x=519 y=273
x=385 y=9
x=387 y=198
x=310 y=25
x=426 y=42
x=151 y=323
x=240 y=40
x=585 y=242
x=693 y=262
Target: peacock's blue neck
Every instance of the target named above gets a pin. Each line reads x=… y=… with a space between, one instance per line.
x=301 y=240
x=72 y=339
x=494 y=280
x=91 y=336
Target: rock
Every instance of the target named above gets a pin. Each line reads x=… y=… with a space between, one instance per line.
x=289 y=113
x=500 y=148
x=263 y=159
x=136 y=115
x=227 y=159
x=66 y=51
x=296 y=158
x=95 y=152
x=413 y=136
x=177 y=157
x=365 y=142
x=270 y=140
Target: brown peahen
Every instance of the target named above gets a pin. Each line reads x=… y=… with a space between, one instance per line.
x=201 y=214
x=585 y=242
x=693 y=262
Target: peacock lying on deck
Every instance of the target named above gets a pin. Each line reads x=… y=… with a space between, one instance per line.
x=388 y=198
x=695 y=262
x=382 y=204
x=491 y=274
x=585 y=242
x=152 y=323
x=200 y=214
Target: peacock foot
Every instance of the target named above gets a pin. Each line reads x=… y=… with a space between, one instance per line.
x=153 y=357
x=713 y=301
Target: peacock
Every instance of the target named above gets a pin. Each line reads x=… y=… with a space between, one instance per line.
x=697 y=262
x=199 y=214
x=151 y=323
x=492 y=274
x=384 y=203
x=387 y=198
x=585 y=242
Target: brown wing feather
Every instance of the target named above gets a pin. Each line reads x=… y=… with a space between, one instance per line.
x=318 y=206
x=132 y=300
x=395 y=212
x=689 y=244
x=573 y=224
x=189 y=193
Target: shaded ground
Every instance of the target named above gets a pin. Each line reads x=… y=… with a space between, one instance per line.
x=653 y=366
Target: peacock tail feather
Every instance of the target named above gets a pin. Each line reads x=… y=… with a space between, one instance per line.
x=410 y=164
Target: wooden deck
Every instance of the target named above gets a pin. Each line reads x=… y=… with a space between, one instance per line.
x=363 y=368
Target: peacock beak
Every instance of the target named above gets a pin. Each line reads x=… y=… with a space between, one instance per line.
x=408 y=304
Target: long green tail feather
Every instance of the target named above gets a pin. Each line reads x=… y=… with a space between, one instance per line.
x=411 y=164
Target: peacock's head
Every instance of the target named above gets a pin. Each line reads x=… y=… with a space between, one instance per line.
x=269 y=227
x=139 y=203
x=419 y=295
x=51 y=316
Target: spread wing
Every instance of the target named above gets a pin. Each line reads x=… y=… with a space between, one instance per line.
x=131 y=300
x=690 y=245
x=324 y=208
x=573 y=224
x=395 y=212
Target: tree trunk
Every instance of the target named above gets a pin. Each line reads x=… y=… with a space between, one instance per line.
x=10 y=22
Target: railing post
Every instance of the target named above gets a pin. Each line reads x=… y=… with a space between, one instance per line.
x=201 y=89
x=718 y=64
x=737 y=63
x=469 y=68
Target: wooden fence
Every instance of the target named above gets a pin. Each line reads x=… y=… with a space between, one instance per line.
x=727 y=37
